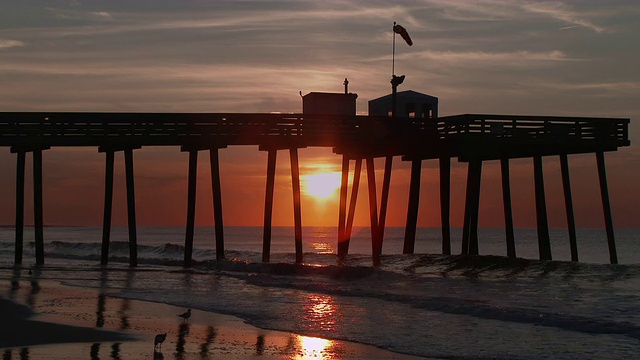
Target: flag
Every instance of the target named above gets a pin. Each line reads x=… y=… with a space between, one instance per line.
x=403 y=32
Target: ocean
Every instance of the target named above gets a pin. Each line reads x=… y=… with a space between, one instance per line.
x=426 y=304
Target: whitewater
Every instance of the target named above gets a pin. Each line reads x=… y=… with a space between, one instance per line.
x=426 y=304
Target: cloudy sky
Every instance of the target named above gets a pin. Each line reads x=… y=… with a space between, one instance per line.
x=574 y=58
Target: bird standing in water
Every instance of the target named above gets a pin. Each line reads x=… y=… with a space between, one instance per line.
x=185 y=316
x=157 y=342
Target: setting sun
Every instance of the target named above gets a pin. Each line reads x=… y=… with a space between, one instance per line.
x=321 y=185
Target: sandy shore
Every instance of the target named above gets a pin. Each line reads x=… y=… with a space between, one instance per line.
x=45 y=320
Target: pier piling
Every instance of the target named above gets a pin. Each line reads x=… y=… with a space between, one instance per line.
x=297 y=207
x=606 y=207
x=342 y=211
x=544 y=242
x=20 y=171
x=352 y=204
x=191 y=207
x=445 y=203
x=108 y=206
x=37 y=206
x=268 y=204
x=131 y=208
x=214 y=162
x=506 y=204
x=568 y=201
x=412 y=208
x=373 y=211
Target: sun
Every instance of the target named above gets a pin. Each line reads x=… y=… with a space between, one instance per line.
x=321 y=185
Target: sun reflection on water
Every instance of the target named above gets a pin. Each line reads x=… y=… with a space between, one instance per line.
x=313 y=348
x=321 y=313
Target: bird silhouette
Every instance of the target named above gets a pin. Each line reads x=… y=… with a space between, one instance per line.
x=157 y=342
x=185 y=316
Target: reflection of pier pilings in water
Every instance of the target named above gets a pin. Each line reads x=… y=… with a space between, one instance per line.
x=94 y=353
x=15 y=283
x=115 y=351
x=208 y=340
x=102 y=299
x=35 y=287
x=183 y=331
x=260 y=345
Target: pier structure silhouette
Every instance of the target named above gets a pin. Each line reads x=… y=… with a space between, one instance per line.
x=414 y=134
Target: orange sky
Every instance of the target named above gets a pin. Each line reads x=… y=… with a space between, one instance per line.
x=562 y=58
x=161 y=187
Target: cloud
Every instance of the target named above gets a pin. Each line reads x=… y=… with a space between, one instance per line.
x=563 y=12
x=6 y=44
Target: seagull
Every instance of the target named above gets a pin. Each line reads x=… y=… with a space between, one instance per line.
x=186 y=315
x=159 y=340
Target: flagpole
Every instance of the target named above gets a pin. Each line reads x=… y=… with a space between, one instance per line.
x=393 y=53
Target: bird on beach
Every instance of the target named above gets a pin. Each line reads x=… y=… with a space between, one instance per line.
x=157 y=342
x=185 y=316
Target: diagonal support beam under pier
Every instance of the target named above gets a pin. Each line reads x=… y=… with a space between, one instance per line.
x=568 y=201
x=606 y=207
x=352 y=205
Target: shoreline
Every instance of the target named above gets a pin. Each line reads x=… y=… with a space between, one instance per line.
x=45 y=319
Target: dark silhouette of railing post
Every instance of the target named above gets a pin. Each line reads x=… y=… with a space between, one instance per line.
x=297 y=208
x=217 y=201
x=508 y=213
x=108 y=206
x=268 y=204
x=191 y=206
x=131 y=208
x=606 y=207
x=568 y=201
x=445 y=203
x=412 y=208
x=20 y=171
x=544 y=243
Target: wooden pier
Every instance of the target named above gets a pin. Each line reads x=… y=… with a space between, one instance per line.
x=471 y=138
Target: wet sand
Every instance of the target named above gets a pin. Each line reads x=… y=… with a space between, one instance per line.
x=46 y=320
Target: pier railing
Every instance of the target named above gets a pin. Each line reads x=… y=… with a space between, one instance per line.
x=298 y=130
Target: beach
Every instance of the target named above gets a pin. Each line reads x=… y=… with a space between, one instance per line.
x=412 y=306
x=43 y=319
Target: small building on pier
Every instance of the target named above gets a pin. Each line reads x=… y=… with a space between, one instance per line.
x=410 y=104
x=321 y=103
